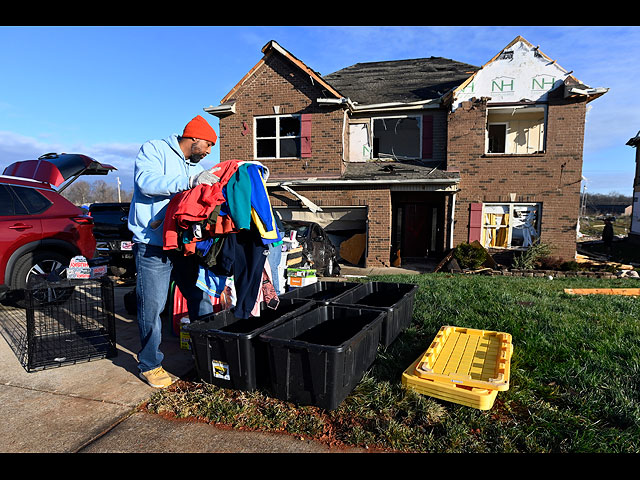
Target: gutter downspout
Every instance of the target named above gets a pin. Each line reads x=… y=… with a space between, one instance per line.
x=452 y=209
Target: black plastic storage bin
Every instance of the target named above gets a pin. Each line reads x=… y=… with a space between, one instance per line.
x=322 y=292
x=61 y=323
x=318 y=358
x=395 y=299
x=226 y=349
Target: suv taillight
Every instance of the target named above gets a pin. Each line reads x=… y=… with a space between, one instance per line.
x=83 y=219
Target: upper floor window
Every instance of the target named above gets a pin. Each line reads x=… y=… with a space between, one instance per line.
x=516 y=129
x=397 y=137
x=277 y=136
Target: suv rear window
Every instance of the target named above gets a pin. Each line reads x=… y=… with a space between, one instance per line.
x=16 y=200
x=32 y=199
x=9 y=204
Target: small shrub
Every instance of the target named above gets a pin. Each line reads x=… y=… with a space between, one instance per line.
x=529 y=259
x=550 y=263
x=570 y=266
x=470 y=255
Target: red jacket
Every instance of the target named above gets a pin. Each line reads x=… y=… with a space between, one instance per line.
x=196 y=204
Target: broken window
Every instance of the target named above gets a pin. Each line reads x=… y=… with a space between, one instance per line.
x=359 y=144
x=516 y=129
x=277 y=136
x=397 y=137
x=497 y=137
x=509 y=225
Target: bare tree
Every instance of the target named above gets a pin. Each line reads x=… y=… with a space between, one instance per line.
x=82 y=192
x=78 y=193
x=103 y=192
x=126 y=195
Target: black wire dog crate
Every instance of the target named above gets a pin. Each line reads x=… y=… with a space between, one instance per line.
x=61 y=323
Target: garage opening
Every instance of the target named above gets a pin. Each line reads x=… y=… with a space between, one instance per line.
x=346 y=227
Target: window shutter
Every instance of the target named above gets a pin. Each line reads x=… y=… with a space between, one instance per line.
x=427 y=136
x=305 y=135
x=475 y=222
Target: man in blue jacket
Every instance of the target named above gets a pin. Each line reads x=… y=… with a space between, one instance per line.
x=162 y=169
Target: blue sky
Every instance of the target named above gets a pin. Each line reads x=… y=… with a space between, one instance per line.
x=103 y=91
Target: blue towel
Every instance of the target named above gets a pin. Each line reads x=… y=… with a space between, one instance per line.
x=210 y=282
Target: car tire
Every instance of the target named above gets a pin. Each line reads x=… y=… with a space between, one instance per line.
x=34 y=266
x=332 y=268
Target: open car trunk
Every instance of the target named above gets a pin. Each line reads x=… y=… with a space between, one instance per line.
x=55 y=169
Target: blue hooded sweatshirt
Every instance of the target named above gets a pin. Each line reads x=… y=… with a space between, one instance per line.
x=161 y=170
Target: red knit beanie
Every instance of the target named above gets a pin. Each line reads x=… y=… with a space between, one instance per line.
x=199 y=128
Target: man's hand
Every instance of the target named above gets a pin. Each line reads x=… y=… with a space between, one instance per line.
x=206 y=177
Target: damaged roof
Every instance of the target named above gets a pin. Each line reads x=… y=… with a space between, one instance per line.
x=400 y=80
x=410 y=172
x=393 y=171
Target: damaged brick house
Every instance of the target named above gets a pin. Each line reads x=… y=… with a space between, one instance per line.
x=417 y=156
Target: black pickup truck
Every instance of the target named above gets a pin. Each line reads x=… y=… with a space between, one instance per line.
x=113 y=237
x=113 y=241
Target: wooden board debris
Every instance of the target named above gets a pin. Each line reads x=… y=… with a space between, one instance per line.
x=603 y=291
x=352 y=249
x=444 y=261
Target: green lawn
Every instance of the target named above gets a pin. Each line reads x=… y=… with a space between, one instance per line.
x=574 y=385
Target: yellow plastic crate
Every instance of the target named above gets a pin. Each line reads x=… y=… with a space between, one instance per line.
x=468 y=357
x=480 y=398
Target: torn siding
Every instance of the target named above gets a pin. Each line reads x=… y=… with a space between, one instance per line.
x=519 y=73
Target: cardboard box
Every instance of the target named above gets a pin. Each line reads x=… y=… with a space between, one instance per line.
x=301 y=281
x=79 y=268
x=301 y=272
x=97 y=272
x=184 y=336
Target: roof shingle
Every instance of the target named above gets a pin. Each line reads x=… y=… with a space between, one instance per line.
x=399 y=80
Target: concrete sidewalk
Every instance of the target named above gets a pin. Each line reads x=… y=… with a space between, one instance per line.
x=91 y=407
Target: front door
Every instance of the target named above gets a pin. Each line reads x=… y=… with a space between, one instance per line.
x=416 y=230
x=417 y=226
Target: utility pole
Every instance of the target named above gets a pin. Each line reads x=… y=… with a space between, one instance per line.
x=583 y=206
x=119 y=199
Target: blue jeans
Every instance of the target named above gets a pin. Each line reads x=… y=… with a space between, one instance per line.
x=275 y=255
x=154 y=269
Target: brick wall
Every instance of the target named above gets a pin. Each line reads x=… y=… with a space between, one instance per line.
x=278 y=83
x=552 y=178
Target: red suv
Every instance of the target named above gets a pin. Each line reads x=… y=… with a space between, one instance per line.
x=40 y=230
